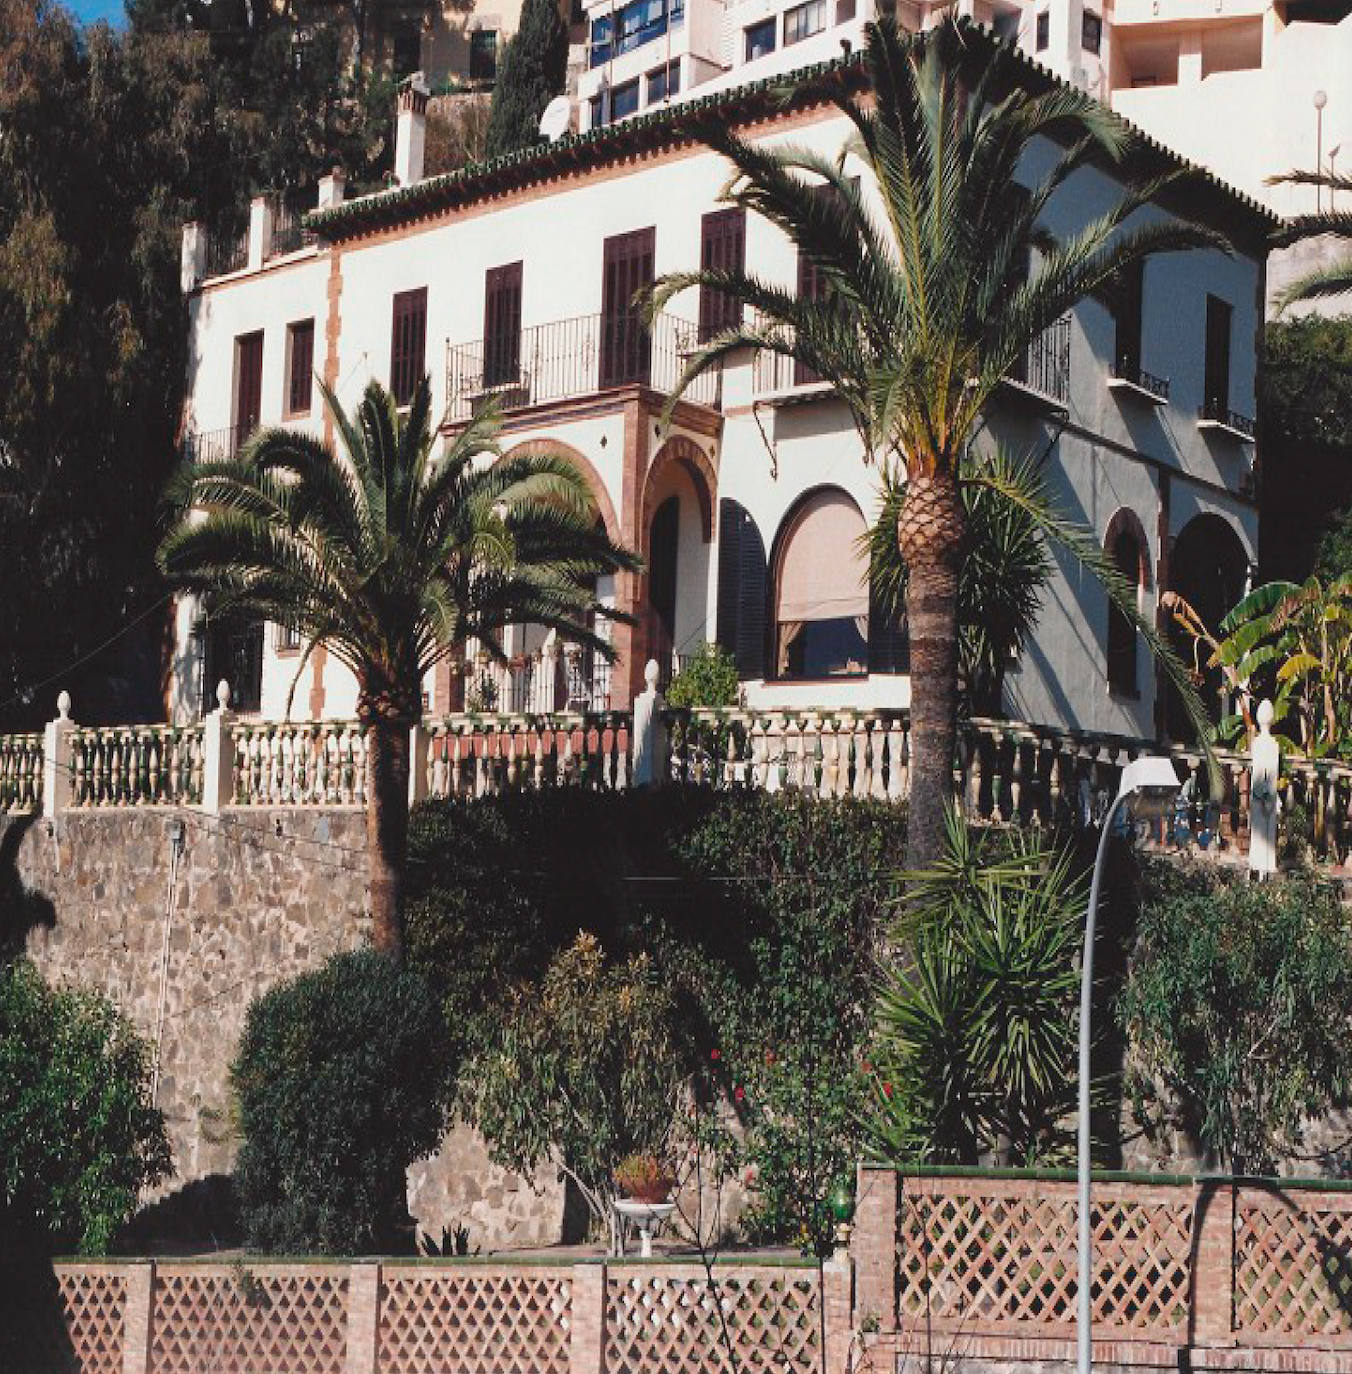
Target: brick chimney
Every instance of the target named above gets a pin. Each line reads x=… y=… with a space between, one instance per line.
x=411 y=130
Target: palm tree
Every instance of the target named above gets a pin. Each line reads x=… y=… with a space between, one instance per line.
x=928 y=299
x=1333 y=278
x=391 y=557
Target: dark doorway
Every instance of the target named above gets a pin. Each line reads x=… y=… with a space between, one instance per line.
x=662 y=571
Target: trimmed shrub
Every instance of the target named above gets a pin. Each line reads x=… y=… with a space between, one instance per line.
x=341 y=1080
x=79 y=1136
x=709 y=678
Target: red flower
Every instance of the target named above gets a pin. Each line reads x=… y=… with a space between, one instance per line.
x=865 y=1066
x=738 y=1094
x=887 y=1090
x=715 y=1055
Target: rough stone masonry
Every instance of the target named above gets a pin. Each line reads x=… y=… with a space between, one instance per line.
x=184 y=946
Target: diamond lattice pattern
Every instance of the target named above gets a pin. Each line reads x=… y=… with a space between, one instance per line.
x=1293 y=1266
x=236 y=1322
x=679 y=1324
x=74 y=1328
x=995 y=1259
x=445 y=1322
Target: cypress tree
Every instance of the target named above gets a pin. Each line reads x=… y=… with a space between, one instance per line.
x=533 y=71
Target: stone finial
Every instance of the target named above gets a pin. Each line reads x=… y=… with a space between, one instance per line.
x=63 y=706
x=651 y=673
x=223 y=695
x=1264 y=714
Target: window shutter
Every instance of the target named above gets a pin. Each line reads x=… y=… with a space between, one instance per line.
x=742 y=588
x=502 y=324
x=889 y=646
x=722 y=249
x=408 y=343
x=302 y=367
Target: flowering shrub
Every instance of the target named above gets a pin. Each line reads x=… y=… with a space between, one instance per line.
x=644 y=1178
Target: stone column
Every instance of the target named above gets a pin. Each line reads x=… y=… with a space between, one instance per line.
x=218 y=755
x=363 y=1318
x=260 y=231
x=331 y=189
x=138 y=1318
x=58 y=760
x=1213 y=1273
x=587 y=1336
x=874 y=1247
x=418 y=740
x=192 y=261
x=837 y=1298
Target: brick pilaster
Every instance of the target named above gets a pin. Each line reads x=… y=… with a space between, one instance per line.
x=138 y=1318
x=837 y=1304
x=874 y=1247
x=587 y=1332
x=1213 y=1271
x=363 y=1318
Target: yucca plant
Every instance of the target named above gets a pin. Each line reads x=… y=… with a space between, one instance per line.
x=928 y=301
x=392 y=556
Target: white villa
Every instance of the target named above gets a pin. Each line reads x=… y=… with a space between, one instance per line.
x=513 y=279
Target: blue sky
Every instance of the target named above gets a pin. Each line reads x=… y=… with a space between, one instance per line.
x=90 y=10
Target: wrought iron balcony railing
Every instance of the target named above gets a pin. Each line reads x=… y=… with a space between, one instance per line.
x=1155 y=387
x=566 y=359
x=211 y=445
x=289 y=235
x=227 y=253
x=1045 y=367
x=1216 y=414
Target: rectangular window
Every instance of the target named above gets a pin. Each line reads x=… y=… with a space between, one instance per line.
x=407 y=48
x=408 y=343
x=1091 y=32
x=502 y=325
x=631 y=26
x=760 y=40
x=1128 y=310
x=626 y=347
x=803 y=21
x=845 y=11
x=483 y=55
x=1219 y=315
x=599 y=43
x=722 y=249
x=1044 y=31
x=300 y=362
x=624 y=100
x=248 y=386
x=288 y=639
x=664 y=83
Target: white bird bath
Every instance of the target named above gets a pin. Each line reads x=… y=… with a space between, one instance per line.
x=647 y=1216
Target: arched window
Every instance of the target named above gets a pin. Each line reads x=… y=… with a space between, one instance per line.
x=1126 y=547
x=821 y=594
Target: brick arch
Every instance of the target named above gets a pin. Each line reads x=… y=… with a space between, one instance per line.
x=545 y=448
x=684 y=450
x=1126 y=521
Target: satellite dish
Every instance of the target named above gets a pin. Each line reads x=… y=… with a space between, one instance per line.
x=557 y=118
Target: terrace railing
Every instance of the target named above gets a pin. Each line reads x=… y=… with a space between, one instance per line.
x=1045 y=367
x=227 y=252
x=289 y=234
x=566 y=359
x=211 y=445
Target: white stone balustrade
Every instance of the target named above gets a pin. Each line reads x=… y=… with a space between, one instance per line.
x=21 y=766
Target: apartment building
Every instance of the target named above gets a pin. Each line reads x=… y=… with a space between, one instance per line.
x=513 y=280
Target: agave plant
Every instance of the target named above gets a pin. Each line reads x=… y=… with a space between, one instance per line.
x=928 y=301
x=391 y=556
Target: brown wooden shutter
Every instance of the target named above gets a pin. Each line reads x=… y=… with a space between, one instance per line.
x=626 y=347
x=302 y=367
x=722 y=249
x=502 y=325
x=1127 y=316
x=408 y=343
x=1218 y=316
x=742 y=588
x=248 y=384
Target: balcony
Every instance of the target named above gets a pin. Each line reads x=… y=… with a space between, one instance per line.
x=567 y=359
x=1218 y=418
x=1139 y=384
x=1043 y=373
x=214 y=445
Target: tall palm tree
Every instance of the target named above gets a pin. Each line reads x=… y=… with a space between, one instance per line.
x=1333 y=278
x=391 y=556
x=928 y=298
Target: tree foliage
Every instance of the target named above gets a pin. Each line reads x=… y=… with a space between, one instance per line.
x=1237 y=1012
x=707 y=678
x=531 y=73
x=341 y=1080
x=79 y=1135
x=976 y=1023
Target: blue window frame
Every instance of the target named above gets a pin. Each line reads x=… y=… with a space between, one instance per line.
x=631 y=26
x=760 y=39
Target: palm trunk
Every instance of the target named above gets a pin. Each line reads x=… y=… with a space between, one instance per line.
x=931 y=531
x=387 y=831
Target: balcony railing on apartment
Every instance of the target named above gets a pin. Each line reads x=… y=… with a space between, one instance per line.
x=227 y=252
x=569 y=358
x=211 y=445
x=1137 y=377
x=1215 y=412
x=289 y=235
x=1045 y=368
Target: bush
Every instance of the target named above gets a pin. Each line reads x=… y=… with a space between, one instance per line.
x=709 y=678
x=341 y=1080
x=1238 y=1009
x=532 y=71
x=79 y=1135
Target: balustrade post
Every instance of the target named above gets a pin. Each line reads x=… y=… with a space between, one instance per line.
x=58 y=761
x=873 y=1247
x=836 y=1298
x=218 y=754
x=138 y=1318
x=1213 y=1273
x=363 y=1318
x=587 y=1320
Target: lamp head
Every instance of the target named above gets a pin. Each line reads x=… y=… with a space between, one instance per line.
x=1320 y=100
x=1150 y=786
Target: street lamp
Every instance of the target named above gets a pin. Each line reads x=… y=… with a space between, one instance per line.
x=1333 y=171
x=1147 y=788
x=1320 y=100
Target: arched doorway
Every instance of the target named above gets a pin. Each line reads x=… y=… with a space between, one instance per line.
x=1209 y=569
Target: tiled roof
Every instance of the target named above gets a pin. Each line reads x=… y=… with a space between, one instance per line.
x=671 y=125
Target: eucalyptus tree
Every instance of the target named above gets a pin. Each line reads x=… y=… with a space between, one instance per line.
x=936 y=274
x=392 y=556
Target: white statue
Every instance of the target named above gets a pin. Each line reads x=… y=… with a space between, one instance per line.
x=1264 y=803
x=650 y=736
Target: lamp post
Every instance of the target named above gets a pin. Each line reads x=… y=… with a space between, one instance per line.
x=1333 y=172
x=1320 y=100
x=1148 y=786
